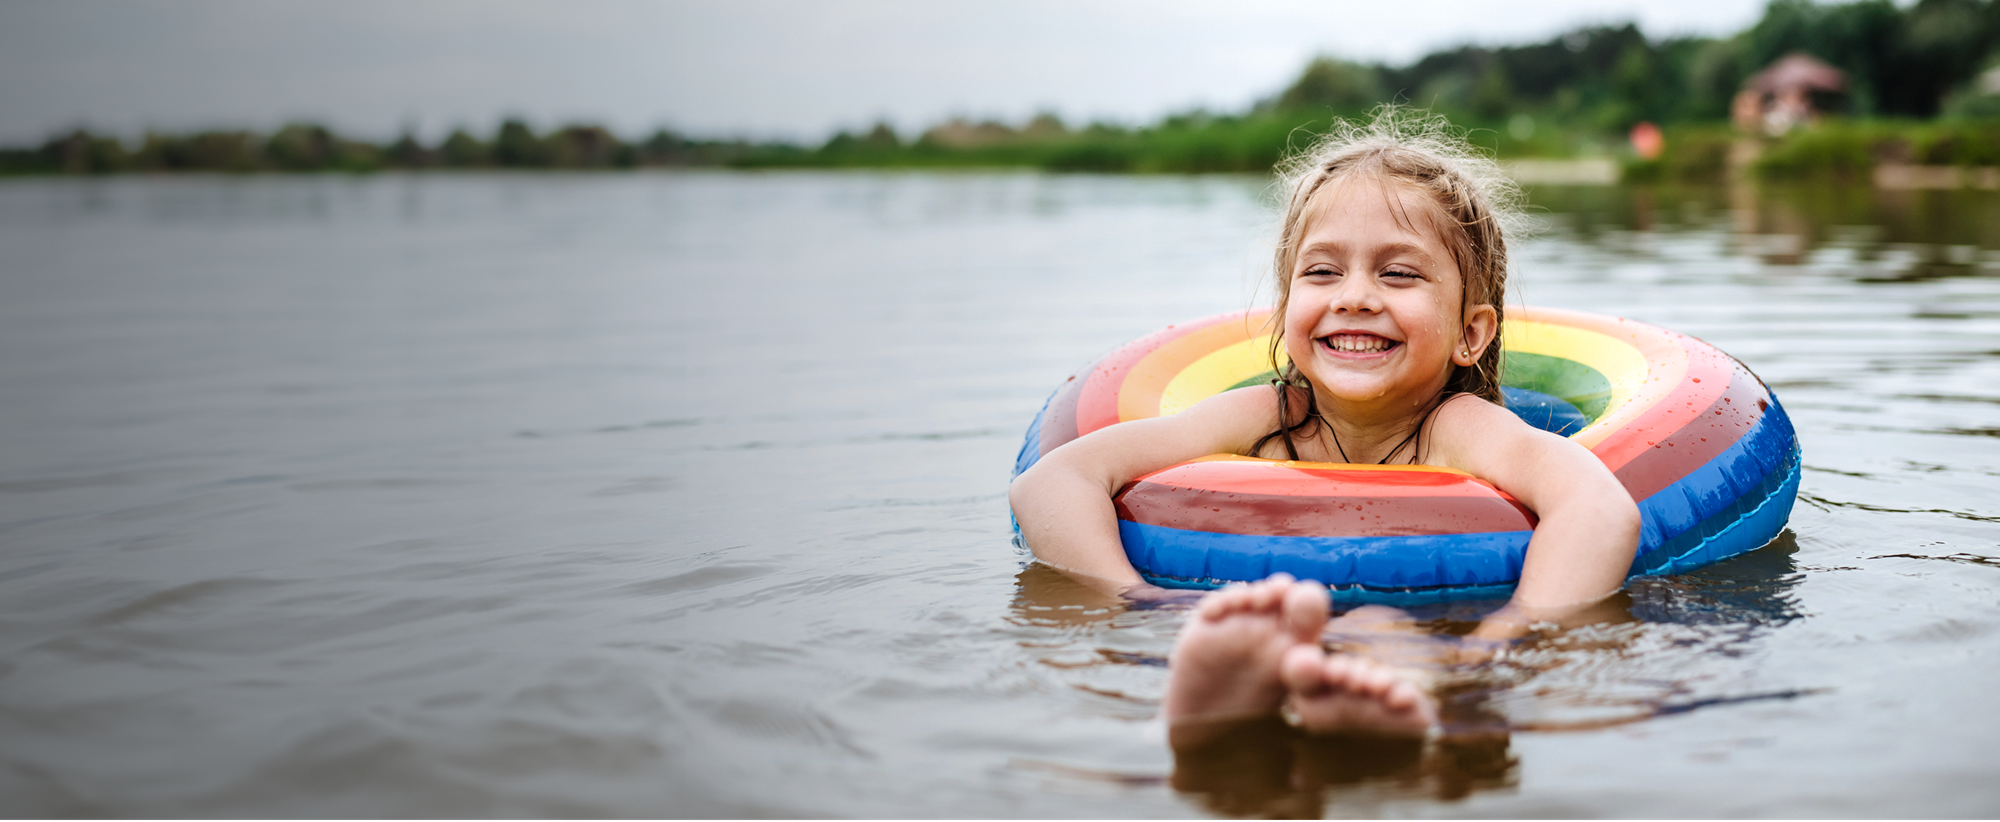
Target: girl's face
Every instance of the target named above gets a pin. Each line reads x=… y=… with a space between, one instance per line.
x=1374 y=313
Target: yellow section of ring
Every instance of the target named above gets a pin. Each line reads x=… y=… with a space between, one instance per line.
x=1215 y=372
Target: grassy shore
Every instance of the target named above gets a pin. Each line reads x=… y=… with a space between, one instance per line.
x=1836 y=150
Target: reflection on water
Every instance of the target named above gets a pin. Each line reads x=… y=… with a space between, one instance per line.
x=1898 y=234
x=1266 y=769
x=683 y=494
x=1753 y=591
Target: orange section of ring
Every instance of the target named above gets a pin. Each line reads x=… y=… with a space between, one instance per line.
x=1139 y=394
x=1100 y=403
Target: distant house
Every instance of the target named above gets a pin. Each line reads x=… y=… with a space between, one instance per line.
x=1796 y=89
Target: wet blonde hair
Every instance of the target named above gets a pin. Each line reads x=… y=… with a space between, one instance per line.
x=1473 y=207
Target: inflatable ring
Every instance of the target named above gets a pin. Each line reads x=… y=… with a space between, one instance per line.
x=1698 y=440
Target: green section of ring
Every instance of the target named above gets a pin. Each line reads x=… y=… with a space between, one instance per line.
x=1572 y=381
x=1261 y=379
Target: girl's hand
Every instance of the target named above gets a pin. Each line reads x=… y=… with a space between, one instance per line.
x=1146 y=596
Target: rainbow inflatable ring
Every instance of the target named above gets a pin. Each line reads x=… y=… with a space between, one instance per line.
x=1697 y=439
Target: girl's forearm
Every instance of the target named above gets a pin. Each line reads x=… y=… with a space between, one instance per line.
x=1578 y=556
x=1580 y=553
x=1069 y=523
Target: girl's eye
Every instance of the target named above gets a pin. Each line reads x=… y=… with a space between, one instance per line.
x=1395 y=273
x=1320 y=272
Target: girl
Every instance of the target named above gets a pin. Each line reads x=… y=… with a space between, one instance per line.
x=1390 y=270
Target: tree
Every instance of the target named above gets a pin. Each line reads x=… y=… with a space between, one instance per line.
x=1329 y=83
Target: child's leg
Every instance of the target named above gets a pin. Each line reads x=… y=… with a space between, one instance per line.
x=1225 y=662
x=1380 y=688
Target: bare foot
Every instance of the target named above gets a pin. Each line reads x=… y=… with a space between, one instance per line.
x=1352 y=693
x=1225 y=662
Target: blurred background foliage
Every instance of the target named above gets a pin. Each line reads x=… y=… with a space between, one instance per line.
x=1923 y=86
x=313 y=147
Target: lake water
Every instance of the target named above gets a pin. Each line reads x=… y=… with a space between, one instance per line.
x=678 y=494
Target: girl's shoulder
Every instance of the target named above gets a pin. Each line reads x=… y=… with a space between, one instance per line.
x=1466 y=407
x=1466 y=421
x=1472 y=432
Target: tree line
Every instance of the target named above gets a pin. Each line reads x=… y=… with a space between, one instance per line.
x=309 y=147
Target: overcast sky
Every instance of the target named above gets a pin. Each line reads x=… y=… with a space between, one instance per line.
x=762 y=68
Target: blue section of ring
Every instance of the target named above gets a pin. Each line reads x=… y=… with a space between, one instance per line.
x=1545 y=411
x=1734 y=503
x=1419 y=561
x=1679 y=521
x=1031 y=452
x=1031 y=449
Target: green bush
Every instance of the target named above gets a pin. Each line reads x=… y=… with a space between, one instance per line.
x=1102 y=156
x=1695 y=153
x=1834 y=149
x=1960 y=143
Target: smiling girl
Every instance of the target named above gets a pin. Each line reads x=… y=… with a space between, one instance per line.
x=1390 y=271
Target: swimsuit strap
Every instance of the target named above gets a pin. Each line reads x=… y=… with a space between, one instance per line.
x=1284 y=401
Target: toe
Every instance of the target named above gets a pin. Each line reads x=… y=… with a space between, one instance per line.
x=1303 y=670
x=1339 y=671
x=1374 y=680
x=1401 y=697
x=1271 y=591
x=1306 y=607
x=1223 y=601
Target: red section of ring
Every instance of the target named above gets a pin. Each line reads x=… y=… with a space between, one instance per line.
x=1345 y=510
x=1716 y=427
x=1248 y=476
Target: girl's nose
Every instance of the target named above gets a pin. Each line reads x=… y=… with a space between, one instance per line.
x=1355 y=295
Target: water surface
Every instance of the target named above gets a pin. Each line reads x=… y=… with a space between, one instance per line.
x=683 y=494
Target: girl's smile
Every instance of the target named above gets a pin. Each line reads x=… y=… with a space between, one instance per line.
x=1357 y=345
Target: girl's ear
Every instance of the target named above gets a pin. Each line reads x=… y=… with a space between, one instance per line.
x=1482 y=324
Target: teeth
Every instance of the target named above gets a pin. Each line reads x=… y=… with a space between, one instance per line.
x=1358 y=343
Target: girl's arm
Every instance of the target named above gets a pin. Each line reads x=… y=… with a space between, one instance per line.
x=1063 y=503
x=1588 y=532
